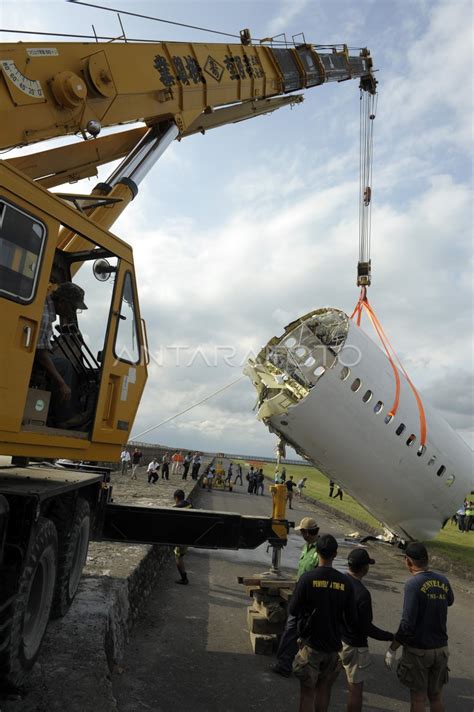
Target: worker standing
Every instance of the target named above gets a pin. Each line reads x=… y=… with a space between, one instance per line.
x=355 y=656
x=181 y=502
x=324 y=600
x=469 y=517
x=136 y=460
x=422 y=632
x=308 y=561
x=290 y=485
x=165 y=466
x=186 y=465
x=125 y=461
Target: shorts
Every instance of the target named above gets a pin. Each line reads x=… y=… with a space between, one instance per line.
x=311 y=666
x=424 y=670
x=356 y=663
x=180 y=551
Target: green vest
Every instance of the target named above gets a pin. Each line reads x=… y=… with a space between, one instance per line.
x=308 y=559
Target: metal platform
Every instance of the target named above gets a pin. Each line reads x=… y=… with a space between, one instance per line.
x=43 y=482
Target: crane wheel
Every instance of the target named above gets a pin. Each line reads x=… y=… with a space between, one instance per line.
x=25 y=614
x=72 y=557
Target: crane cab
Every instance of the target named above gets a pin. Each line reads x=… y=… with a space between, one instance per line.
x=46 y=243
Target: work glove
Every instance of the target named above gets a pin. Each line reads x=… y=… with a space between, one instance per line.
x=390 y=658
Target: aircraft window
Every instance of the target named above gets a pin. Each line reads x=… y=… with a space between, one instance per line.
x=356 y=385
x=367 y=396
x=411 y=440
x=450 y=480
x=388 y=419
x=345 y=373
x=310 y=362
x=432 y=460
x=421 y=450
x=319 y=371
x=289 y=343
x=378 y=407
x=400 y=429
x=441 y=471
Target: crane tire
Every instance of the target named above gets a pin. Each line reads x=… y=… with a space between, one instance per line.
x=24 y=613
x=72 y=557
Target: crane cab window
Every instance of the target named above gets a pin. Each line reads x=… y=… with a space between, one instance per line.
x=127 y=345
x=73 y=333
x=21 y=244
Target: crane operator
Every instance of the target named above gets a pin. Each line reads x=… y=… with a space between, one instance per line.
x=64 y=302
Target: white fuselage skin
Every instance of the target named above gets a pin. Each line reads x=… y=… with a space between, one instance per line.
x=349 y=442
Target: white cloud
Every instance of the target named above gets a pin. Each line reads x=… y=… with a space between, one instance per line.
x=287 y=12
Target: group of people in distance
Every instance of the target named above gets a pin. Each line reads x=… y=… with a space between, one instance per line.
x=292 y=486
x=178 y=463
x=330 y=620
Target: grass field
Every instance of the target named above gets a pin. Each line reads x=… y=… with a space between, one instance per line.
x=450 y=542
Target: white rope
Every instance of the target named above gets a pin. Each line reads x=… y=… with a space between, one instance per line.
x=186 y=410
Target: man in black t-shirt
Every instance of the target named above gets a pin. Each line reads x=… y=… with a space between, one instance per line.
x=323 y=600
x=355 y=655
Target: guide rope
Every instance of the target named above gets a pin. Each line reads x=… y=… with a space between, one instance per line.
x=186 y=410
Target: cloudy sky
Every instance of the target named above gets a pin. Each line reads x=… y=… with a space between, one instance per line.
x=242 y=230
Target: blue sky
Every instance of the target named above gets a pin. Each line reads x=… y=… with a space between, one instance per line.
x=238 y=232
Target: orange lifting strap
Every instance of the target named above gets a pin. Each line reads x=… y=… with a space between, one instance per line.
x=362 y=304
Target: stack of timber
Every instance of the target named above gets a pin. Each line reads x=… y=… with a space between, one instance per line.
x=266 y=617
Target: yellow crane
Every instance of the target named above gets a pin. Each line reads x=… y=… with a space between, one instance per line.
x=54 y=89
x=59 y=259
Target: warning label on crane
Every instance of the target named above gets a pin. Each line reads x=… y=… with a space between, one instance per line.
x=213 y=68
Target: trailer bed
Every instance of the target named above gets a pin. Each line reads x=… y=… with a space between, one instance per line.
x=43 y=482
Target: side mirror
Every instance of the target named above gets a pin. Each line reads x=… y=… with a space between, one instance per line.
x=102 y=270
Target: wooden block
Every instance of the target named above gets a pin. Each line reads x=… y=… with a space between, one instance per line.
x=263 y=644
x=286 y=593
x=274 y=612
x=257 y=623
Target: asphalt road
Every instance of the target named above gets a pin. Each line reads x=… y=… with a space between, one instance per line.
x=191 y=650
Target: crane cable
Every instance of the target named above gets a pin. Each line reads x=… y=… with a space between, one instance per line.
x=368 y=108
x=368 y=104
x=186 y=410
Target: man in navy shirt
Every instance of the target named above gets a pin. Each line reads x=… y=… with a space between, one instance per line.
x=355 y=656
x=422 y=632
x=322 y=600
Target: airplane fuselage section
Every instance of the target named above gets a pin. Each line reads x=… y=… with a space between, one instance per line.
x=326 y=388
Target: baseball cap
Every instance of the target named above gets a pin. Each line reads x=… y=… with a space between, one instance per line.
x=416 y=551
x=307 y=523
x=326 y=545
x=71 y=293
x=359 y=557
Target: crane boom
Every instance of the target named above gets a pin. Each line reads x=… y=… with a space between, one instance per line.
x=57 y=89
